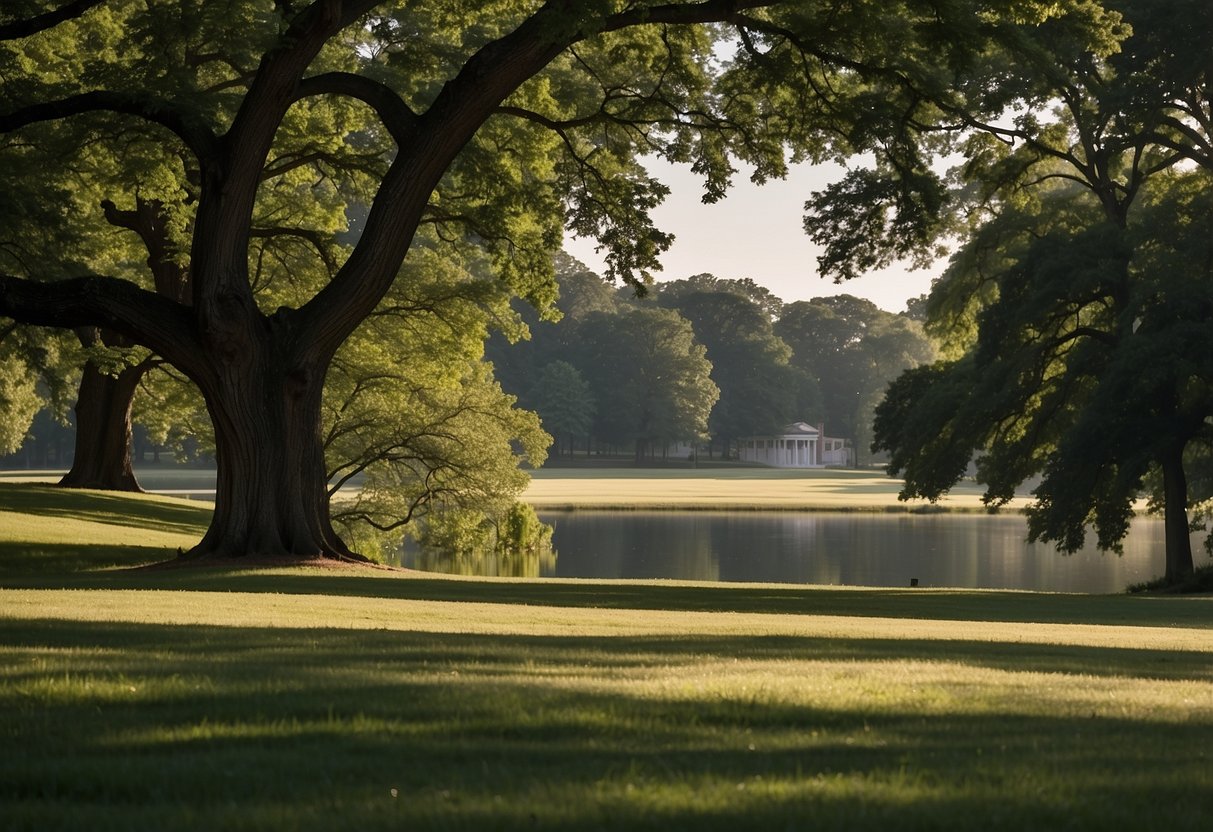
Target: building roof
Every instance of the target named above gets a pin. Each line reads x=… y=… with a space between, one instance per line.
x=796 y=430
x=800 y=429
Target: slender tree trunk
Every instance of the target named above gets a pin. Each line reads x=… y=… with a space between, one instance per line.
x=103 y=405
x=103 y=431
x=1175 y=513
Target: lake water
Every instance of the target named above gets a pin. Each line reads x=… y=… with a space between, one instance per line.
x=851 y=549
x=859 y=549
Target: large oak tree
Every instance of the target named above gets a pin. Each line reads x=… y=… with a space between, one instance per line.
x=496 y=122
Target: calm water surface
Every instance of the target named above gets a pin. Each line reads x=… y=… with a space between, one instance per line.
x=955 y=550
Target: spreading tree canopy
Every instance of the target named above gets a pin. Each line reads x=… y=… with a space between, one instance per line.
x=493 y=125
x=1077 y=312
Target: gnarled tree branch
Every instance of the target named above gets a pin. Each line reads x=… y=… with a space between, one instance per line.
x=145 y=317
x=198 y=137
x=395 y=115
x=25 y=27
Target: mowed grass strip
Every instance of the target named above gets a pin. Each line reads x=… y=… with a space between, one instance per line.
x=737 y=489
x=207 y=709
x=57 y=531
x=309 y=699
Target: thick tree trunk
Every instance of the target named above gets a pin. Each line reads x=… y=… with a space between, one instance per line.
x=103 y=431
x=1175 y=513
x=271 y=491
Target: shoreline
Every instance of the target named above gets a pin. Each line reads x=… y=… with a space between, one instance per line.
x=657 y=489
x=744 y=490
x=757 y=508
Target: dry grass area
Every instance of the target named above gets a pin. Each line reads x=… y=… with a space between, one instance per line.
x=735 y=488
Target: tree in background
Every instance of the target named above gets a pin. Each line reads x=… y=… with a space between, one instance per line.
x=825 y=335
x=1078 y=309
x=655 y=378
x=758 y=390
x=893 y=345
x=851 y=349
x=19 y=399
x=105 y=398
x=643 y=384
x=672 y=291
x=519 y=355
x=565 y=405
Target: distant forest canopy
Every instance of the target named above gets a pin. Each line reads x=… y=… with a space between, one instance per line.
x=703 y=359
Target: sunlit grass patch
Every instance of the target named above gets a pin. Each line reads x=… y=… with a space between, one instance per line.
x=739 y=488
x=58 y=530
x=207 y=709
x=305 y=699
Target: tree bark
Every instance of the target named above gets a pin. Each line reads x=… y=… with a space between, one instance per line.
x=103 y=431
x=271 y=495
x=1175 y=514
x=103 y=404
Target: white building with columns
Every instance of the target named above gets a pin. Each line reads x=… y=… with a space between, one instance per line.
x=798 y=445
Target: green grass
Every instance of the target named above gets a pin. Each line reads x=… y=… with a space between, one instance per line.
x=42 y=528
x=736 y=489
x=308 y=699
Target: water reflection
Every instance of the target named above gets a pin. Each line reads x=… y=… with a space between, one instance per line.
x=486 y=562
x=972 y=551
x=976 y=551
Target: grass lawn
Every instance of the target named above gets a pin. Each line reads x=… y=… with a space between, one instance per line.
x=720 y=488
x=735 y=488
x=334 y=699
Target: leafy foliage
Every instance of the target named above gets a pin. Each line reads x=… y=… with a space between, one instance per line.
x=851 y=349
x=758 y=389
x=1079 y=301
x=255 y=130
x=19 y=401
x=659 y=377
x=414 y=417
x=563 y=400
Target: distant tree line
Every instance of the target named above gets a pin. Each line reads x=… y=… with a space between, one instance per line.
x=700 y=360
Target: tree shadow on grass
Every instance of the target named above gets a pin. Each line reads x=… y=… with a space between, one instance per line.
x=57 y=564
x=492 y=654
x=142 y=512
x=313 y=729
x=948 y=605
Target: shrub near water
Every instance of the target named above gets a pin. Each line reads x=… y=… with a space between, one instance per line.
x=515 y=544
x=521 y=531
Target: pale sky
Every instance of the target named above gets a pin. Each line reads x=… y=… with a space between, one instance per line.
x=757 y=232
